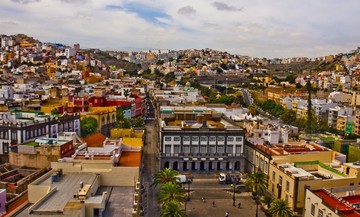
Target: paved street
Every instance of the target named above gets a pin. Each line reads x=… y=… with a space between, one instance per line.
x=220 y=194
x=151 y=166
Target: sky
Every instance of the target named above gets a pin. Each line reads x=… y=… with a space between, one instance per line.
x=258 y=28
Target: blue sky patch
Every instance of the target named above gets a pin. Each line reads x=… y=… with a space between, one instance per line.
x=146 y=12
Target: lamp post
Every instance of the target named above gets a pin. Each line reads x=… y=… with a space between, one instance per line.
x=257 y=205
x=233 y=187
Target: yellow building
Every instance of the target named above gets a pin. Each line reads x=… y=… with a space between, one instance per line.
x=105 y=116
x=341 y=123
x=357 y=124
x=294 y=168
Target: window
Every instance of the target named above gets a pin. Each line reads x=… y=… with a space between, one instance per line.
x=5 y=147
x=221 y=138
x=203 y=149
x=194 y=149
x=176 y=149
x=273 y=175
x=230 y=139
x=186 y=149
x=212 y=149
x=177 y=138
x=220 y=149
x=195 y=138
x=320 y=213
x=212 y=138
x=186 y=138
x=203 y=139
x=167 y=149
x=286 y=198
x=229 y=149
x=238 y=149
x=312 y=209
x=239 y=139
x=167 y=138
x=272 y=188
x=280 y=180
x=287 y=186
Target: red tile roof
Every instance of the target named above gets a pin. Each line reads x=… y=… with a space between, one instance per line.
x=95 y=140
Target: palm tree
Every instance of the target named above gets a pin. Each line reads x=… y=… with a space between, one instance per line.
x=256 y=182
x=171 y=192
x=172 y=209
x=165 y=176
x=280 y=208
x=267 y=200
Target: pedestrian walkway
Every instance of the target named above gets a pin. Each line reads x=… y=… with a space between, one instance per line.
x=223 y=203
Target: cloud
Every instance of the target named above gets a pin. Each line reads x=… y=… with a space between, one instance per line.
x=25 y=1
x=186 y=10
x=10 y=23
x=75 y=1
x=225 y=7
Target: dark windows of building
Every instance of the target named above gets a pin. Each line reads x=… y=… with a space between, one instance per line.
x=175 y=165
x=185 y=166
x=228 y=165
x=219 y=166
x=167 y=164
x=202 y=165
x=193 y=166
x=211 y=166
x=237 y=165
x=5 y=147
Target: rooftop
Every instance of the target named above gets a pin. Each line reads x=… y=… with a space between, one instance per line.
x=130 y=159
x=61 y=191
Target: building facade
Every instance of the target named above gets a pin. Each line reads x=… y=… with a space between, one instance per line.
x=197 y=139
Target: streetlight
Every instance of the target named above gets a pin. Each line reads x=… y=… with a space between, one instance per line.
x=233 y=187
x=257 y=205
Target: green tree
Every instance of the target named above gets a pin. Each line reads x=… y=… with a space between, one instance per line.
x=139 y=121
x=171 y=192
x=172 y=209
x=280 y=208
x=164 y=176
x=119 y=117
x=267 y=200
x=256 y=182
x=88 y=126
x=126 y=123
x=289 y=116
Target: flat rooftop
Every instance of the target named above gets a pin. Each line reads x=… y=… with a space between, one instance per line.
x=130 y=159
x=66 y=186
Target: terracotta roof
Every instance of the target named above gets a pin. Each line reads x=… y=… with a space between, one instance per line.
x=95 y=140
x=130 y=159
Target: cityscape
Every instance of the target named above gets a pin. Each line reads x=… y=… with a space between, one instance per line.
x=136 y=108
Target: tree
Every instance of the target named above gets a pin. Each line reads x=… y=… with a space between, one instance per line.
x=172 y=209
x=256 y=182
x=164 y=176
x=289 y=116
x=280 y=208
x=267 y=200
x=126 y=123
x=139 y=121
x=119 y=117
x=88 y=126
x=171 y=192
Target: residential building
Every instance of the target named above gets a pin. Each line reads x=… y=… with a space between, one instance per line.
x=20 y=127
x=334 y=201
x=198 y=139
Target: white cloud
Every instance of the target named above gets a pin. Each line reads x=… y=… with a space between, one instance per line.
x=277 y=28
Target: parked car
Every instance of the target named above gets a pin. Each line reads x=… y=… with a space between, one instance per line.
x=229 y=179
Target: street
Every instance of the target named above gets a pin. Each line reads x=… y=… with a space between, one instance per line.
x=150 y=163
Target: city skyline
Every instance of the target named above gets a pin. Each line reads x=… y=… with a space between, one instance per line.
x=258 y=28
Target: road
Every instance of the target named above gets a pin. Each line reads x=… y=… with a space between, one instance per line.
x=150 y=167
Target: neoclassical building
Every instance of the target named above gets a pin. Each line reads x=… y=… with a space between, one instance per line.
x=198 y=139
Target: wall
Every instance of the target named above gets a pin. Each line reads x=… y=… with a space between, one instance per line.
x=110 y=176
x=35 y=160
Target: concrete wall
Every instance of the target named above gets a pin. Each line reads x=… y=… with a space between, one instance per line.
x=35 y=160
x=110 y=176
